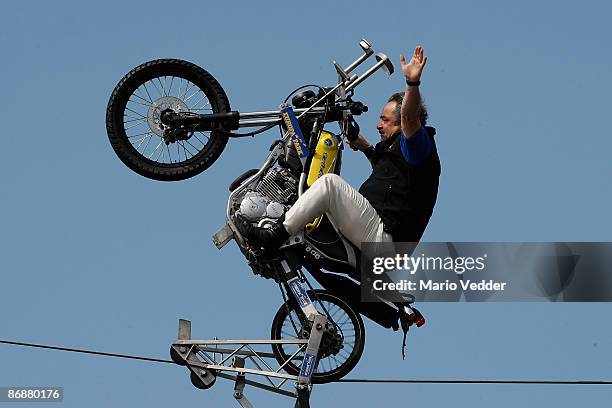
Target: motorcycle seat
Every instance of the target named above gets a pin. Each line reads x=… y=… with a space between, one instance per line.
x=329 y=248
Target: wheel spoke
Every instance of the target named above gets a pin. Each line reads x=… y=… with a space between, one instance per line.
x=133 y=125
x=156 y=147
x=147 y=144
x=194 y=135
x=134 y=120
x=136 y=113
x=138 y=102
x=147 y=91
x=140 y=134
x=191 y=96
x=142 y=139
x=347 y=319
x=138 y=93
x=186 y=90
x=332 y=315
x=162 y=87
x=292 y=336
x=196 y=149
x=169 y=155
x=161 y=154
x=336 y=361
x=195 y=105
x=160 y=93
x=184 y=151
x=179 y=151
x=171 y=82
x=187 y=150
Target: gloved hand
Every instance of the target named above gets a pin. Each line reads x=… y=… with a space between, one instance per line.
x=352 y=130
x=359 y=143
x=355 y=140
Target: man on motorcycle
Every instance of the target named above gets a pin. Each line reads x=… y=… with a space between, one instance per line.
x=396 y=201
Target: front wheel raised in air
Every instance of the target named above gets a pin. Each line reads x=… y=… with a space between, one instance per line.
x=135 y=130
x=342 y=344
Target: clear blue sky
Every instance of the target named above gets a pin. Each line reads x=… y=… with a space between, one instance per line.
x=95 y=256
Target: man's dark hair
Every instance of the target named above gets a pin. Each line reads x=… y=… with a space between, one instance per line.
x=398 y=98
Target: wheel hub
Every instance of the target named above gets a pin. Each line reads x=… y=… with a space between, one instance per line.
x=331 y=341
x=158 y=106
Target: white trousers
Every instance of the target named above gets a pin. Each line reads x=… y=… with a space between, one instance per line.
x=348 y=211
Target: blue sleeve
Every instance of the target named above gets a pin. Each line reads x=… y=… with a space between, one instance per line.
x=416 y=149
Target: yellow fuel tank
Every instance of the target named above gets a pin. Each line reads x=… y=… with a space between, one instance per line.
x=324 y=157
x=323 y=162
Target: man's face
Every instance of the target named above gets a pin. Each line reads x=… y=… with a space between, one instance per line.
x=387 y=125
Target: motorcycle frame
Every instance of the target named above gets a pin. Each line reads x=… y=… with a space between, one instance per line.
x=346 y=85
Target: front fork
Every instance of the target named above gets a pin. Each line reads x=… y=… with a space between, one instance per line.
x=317 y=321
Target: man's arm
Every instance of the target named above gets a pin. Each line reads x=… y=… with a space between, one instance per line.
x=412 y=98
x=361 y=144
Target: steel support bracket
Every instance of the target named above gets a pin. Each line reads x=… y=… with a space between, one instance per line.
x=234 y=359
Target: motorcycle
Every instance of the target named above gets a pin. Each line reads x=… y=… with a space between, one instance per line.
x=170 y=120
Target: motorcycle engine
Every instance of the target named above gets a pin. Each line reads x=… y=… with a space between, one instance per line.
x=272 y=196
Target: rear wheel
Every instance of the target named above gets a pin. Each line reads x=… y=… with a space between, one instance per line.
x=135 y=130
x=342 y=344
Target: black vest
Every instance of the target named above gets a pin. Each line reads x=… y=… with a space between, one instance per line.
x=403 y=195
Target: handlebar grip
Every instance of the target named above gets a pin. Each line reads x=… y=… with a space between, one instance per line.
x=357 y=108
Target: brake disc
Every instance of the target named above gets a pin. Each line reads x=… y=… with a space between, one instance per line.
x=158 y=106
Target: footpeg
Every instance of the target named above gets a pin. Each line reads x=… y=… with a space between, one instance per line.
x=223 y=236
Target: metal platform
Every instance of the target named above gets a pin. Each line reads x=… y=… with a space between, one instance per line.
x=235 y=359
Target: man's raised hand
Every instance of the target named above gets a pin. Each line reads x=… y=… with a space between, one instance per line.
x=414 y=68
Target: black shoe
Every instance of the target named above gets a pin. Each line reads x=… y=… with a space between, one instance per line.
x=269 y=238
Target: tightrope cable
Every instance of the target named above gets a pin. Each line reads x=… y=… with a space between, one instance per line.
x=541 y=382
x=346 y=380
x=75 y=350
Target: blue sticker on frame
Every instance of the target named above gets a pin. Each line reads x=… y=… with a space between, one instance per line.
x=299 y=292
x=308 y=365
x=295 y=133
